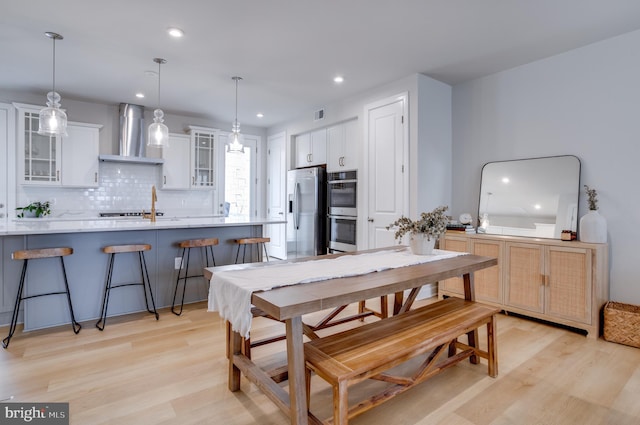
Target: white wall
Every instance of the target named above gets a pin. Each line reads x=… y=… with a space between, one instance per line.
x=585 y=102
x=432 y=163
x=429 y=137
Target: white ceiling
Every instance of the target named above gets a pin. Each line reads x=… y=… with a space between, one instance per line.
x=287 y=51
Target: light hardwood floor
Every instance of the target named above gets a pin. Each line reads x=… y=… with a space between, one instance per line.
x=173 y=371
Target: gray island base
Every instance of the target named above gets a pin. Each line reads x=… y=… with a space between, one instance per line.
x=87 y=266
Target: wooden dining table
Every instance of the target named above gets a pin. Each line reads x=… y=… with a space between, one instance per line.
x=290 y=303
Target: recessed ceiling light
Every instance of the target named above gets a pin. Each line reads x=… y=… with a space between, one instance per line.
x=139 y=95
x=338 y=79
x=175 y=32
x=260 y=115
x=505 y=180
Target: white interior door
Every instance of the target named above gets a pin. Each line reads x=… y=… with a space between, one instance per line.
x=387 y=145
x=276 y=194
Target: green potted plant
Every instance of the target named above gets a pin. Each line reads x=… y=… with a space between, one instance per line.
x=424 y=231
x=34 y=209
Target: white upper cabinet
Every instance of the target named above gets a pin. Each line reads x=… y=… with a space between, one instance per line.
x=205 y=157
x=303 y=150
x=311 y=148
x=79 y=152
x=70 y=161
x=192 y=161
x=38 y=156
x=342 y=146
x=176 y=170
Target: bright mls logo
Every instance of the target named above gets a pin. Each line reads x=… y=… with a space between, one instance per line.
x=34 y=413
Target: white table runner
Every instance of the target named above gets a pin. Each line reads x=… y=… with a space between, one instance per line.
x=230 y=291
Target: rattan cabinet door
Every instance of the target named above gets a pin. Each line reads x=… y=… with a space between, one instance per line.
x=524 y=276
x=488 y=282
x=455 y=285
x=568 y=290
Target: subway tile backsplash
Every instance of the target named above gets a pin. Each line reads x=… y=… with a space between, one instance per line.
x=123 y=187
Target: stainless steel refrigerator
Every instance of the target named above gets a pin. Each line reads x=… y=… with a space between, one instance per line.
x=306 y=212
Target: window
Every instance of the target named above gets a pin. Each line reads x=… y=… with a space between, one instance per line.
x=240 y=180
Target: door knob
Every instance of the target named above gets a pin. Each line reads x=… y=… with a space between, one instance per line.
x=370 y=220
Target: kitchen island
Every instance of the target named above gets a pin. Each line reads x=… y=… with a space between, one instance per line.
x=86 y=268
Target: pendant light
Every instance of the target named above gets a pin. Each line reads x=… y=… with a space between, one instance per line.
x=53 y=120
x=158 y=134
x=236 y=139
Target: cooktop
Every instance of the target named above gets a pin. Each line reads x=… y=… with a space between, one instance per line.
x=127 y=214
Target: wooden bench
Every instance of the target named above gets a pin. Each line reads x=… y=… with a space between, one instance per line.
x=366 y=352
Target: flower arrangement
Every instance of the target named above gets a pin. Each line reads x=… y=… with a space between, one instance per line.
x=35 y=209
x=433 y=224
x=593 y=198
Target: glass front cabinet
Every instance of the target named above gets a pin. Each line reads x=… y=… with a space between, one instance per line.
x=70 y=160
x=204 y=157
x=41 y=163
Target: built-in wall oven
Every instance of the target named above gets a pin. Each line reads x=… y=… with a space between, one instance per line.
x=342 y=217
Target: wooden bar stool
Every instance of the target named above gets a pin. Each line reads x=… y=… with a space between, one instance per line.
x=206 y=250
x=34 y=254
x=112 y=250
x=252 y=241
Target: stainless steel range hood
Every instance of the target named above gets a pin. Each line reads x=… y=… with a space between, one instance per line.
x=132 y=137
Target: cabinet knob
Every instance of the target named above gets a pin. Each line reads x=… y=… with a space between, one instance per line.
x=1 y=205
x=370 y=220
x=165 y=180
x=95 y=180
x=57 y=175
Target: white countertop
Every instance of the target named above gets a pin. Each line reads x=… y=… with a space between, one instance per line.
x=38 y=226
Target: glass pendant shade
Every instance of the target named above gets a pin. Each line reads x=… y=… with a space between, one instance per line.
x=158 y=133
x=236 y=139
x=53 y=120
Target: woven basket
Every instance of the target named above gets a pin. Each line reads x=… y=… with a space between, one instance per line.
x=622 y=323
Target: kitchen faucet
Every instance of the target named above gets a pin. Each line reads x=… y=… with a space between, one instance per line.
x=154 y=199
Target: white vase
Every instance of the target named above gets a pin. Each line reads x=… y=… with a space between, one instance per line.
x=593 y=227
x=420 y=245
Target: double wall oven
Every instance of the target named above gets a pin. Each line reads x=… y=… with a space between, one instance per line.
x=342 y=214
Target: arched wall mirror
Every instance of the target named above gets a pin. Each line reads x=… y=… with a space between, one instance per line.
x=536 y=197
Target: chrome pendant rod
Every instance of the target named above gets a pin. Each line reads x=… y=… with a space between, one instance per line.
x=54 y=36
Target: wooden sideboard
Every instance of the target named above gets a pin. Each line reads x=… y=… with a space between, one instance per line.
x=564 y=282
